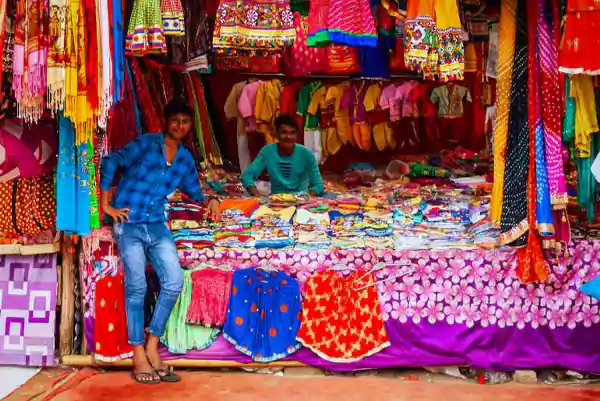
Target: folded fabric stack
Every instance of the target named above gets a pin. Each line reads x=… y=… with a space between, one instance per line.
x=378 y=230
x=273 y=228
x=190 y=226
x=235 y=230
x=347 y=229
x=311 y=229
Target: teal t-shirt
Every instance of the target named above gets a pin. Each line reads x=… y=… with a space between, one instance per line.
x=296 y=173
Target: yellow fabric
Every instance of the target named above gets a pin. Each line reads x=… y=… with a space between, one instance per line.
x=506 y=52
x=317 y=101
x=266 y=109
x=362 y=135
x=285 y=214
x=586 y=122
x=446 y=14
x=77 y=108
x=372 y=96
x=342 y=116
x=470 y=57
x=332 y=141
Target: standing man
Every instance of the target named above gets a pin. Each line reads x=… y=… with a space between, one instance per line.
x=153 y=166
x=292 y=167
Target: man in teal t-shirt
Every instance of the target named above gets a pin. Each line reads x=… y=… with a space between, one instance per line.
x=292 y=167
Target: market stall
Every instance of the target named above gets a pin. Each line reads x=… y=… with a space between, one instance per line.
x=455 y=227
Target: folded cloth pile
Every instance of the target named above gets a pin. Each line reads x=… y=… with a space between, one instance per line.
x=190 y=226
x=311 y=230
x=378 y=229
x=235 y=230
x=347 y=229
x=273 y=228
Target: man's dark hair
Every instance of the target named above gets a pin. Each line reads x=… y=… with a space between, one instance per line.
x=178 y=106
x=286 y=119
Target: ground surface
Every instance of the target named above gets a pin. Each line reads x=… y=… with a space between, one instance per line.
x=90 y=385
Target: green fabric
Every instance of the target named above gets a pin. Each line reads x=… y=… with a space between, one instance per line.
x=568 y=133
x=304 y=172
x=180 y=337
x=300 y=6
x=94 y=203
x=304 y=97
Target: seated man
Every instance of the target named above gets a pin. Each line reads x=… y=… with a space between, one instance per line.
x=292 y=167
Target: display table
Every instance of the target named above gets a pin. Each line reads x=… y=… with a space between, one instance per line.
x=456 y=308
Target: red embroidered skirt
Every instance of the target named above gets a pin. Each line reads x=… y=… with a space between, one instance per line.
x=341 y=320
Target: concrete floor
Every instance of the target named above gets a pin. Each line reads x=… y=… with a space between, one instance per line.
x=209 y=386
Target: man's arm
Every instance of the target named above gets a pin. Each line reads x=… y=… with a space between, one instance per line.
x=315 y=182
x=252 y=173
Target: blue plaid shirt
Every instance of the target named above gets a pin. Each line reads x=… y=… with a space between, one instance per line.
x=147 y=180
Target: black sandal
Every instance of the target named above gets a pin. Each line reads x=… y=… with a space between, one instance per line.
x=166 y=374
x=142 y=378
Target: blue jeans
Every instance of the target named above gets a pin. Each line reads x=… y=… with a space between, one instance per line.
x=138 y=242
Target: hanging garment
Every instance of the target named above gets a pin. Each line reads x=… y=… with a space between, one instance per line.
x=26 y=150
x=341 y=317
x=145 y=34
x=264 y=313
x=253 y=25
x=299 y=59
x=110 y=328
x=508 y=18
x=450 y=100
x=210 y=296
x=172 y=17
x=341 y=22
x=580 y=38
x=180 y=337
x=586 y=121
x=514 y=205
x=232 y=113
x=548 y=37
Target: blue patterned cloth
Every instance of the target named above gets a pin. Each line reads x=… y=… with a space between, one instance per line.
x=147 y=180
x=263 y=316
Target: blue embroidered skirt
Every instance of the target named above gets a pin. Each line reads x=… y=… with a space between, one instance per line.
x=263 y=315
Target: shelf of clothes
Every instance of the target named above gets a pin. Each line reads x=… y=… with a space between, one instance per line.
x=358 y=113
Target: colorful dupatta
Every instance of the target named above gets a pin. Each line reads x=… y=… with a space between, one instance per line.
x=513 y=223
x=56 y=55
x=531 y=265
x=551 y=99
x=3 y=35
x=30 y=58
x=506 y=52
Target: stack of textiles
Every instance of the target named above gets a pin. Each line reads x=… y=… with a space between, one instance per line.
x=235 y=228
x=190 y=226
x=378 y=230
x=272 y=228
x=347 y=229
x=311 y=230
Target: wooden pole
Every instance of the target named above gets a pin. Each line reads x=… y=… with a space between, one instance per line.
x=88 y=360
x=67 y=310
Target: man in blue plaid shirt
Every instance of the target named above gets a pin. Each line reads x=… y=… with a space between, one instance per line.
x=153 y=166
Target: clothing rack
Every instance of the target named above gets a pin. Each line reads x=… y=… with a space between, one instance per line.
x=327 y=76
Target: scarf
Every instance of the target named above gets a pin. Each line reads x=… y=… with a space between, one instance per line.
x=30 y=58
x=106 y=66
x=550 y=92
x=56 y=55
x=77 y=107
x=118 y=50
x=3 y=23
x=506 y=52
x=513 y=223
x=92 y=64
x=151 y=121
x=531 y=265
